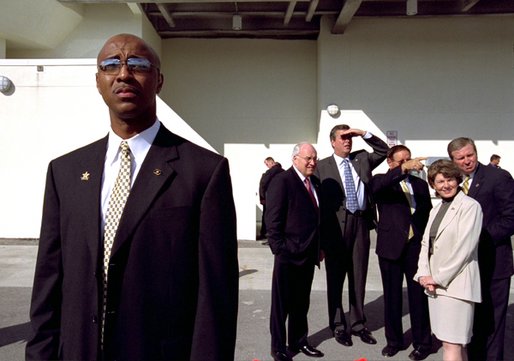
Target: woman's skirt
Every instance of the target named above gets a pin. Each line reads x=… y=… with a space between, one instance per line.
x=451 y=319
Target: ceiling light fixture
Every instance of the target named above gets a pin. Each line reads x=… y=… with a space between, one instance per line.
x=237 y=20
x=333 y=110
x=6 y=85
x=412 y=7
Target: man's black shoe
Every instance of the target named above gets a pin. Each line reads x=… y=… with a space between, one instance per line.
x=419 y=353
x=365 y=336
x=343 y=337
x=390 y=351
x=308 y=350
x=280 y=356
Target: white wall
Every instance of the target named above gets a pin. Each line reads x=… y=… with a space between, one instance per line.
x=99 y=22
x=51 y=112
x=431 y=79
x=243 y=91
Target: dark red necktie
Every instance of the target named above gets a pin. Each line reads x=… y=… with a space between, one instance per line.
x=309 y=189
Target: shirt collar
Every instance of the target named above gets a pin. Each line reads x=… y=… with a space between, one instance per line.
x=302 y=177
x=138 y=144
x=339 y=160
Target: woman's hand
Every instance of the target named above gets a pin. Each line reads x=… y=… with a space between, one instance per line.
x=428 y=283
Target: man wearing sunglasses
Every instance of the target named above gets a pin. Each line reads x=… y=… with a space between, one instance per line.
x=138 y=252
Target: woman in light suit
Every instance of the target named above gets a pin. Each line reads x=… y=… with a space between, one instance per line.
x=448 y=266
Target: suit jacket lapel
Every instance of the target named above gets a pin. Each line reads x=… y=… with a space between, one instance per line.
x=334 y=169
x=90 y=172
x=450 y=213
x=477 y=182
x=356 y=164
x=155 y=171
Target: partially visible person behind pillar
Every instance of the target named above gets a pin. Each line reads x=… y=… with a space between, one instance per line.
x=493 y=188
x=403 y=202
x=348 y=214
x=138 y=261
x=292 y=217
x=273 y=169
x=494 y=161
x=448 y=261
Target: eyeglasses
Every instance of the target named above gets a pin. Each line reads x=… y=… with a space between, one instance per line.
x=134 y=65
x=308 y=159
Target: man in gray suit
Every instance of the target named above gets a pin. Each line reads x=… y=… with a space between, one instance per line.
x=347 y=215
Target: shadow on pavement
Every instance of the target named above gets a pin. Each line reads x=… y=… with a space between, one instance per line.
x=14 y=333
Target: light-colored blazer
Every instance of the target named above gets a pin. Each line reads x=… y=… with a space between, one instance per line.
x=454 y=262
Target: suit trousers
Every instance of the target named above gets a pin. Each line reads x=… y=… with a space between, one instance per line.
x=290 y=300
x=392 y=272
x=488 y=338
x=348 y=259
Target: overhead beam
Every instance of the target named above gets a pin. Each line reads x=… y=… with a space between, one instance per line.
x=289 y=12
x=348 y=10
x=166 y=15
x=171 y=1
x=468 y=4
x=311 y=10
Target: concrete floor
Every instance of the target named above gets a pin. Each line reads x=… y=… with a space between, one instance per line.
x=17 y=259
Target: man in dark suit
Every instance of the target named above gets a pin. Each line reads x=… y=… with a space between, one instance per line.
x=292 y=217
x=494 y=161
x=493 y=188
x=172 y=272
x=273 y=169
x=404 y=204
x=347 y=215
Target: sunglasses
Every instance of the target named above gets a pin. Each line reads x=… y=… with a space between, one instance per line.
x=134 y=65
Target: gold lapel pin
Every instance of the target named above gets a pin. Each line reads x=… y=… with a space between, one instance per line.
x=157 y=171
x=85 y=176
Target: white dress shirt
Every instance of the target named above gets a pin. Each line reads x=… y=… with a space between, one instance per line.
x=139 y=146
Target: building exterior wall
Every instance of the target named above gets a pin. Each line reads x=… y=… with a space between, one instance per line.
x=428 y=79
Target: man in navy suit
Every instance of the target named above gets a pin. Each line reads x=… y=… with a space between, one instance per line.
x=493 y=188
x=345 y=231
x=404 y=204
x=172 y=290
x=292 y=217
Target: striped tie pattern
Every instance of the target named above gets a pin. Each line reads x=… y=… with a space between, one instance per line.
x=117 y=201
x=465 y=185
x=408 y=195
x=349 y=187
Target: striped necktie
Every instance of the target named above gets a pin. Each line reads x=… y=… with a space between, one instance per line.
x=465 y=185
x=408 y=195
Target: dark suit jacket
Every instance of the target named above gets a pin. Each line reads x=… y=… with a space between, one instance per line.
x=394 y=212
x=292 y=218
x=266 y=180
x=173 y=274
x=493 y=188
x=332 y=190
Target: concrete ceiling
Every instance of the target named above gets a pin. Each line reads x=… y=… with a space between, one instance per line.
x=288 y=19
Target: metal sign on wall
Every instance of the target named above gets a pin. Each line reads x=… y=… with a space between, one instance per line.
x=392 y=137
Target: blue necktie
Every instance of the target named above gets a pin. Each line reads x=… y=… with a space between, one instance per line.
x=349 y=187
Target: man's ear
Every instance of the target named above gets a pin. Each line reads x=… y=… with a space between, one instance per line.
x=96 y=77
x=160 y=83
